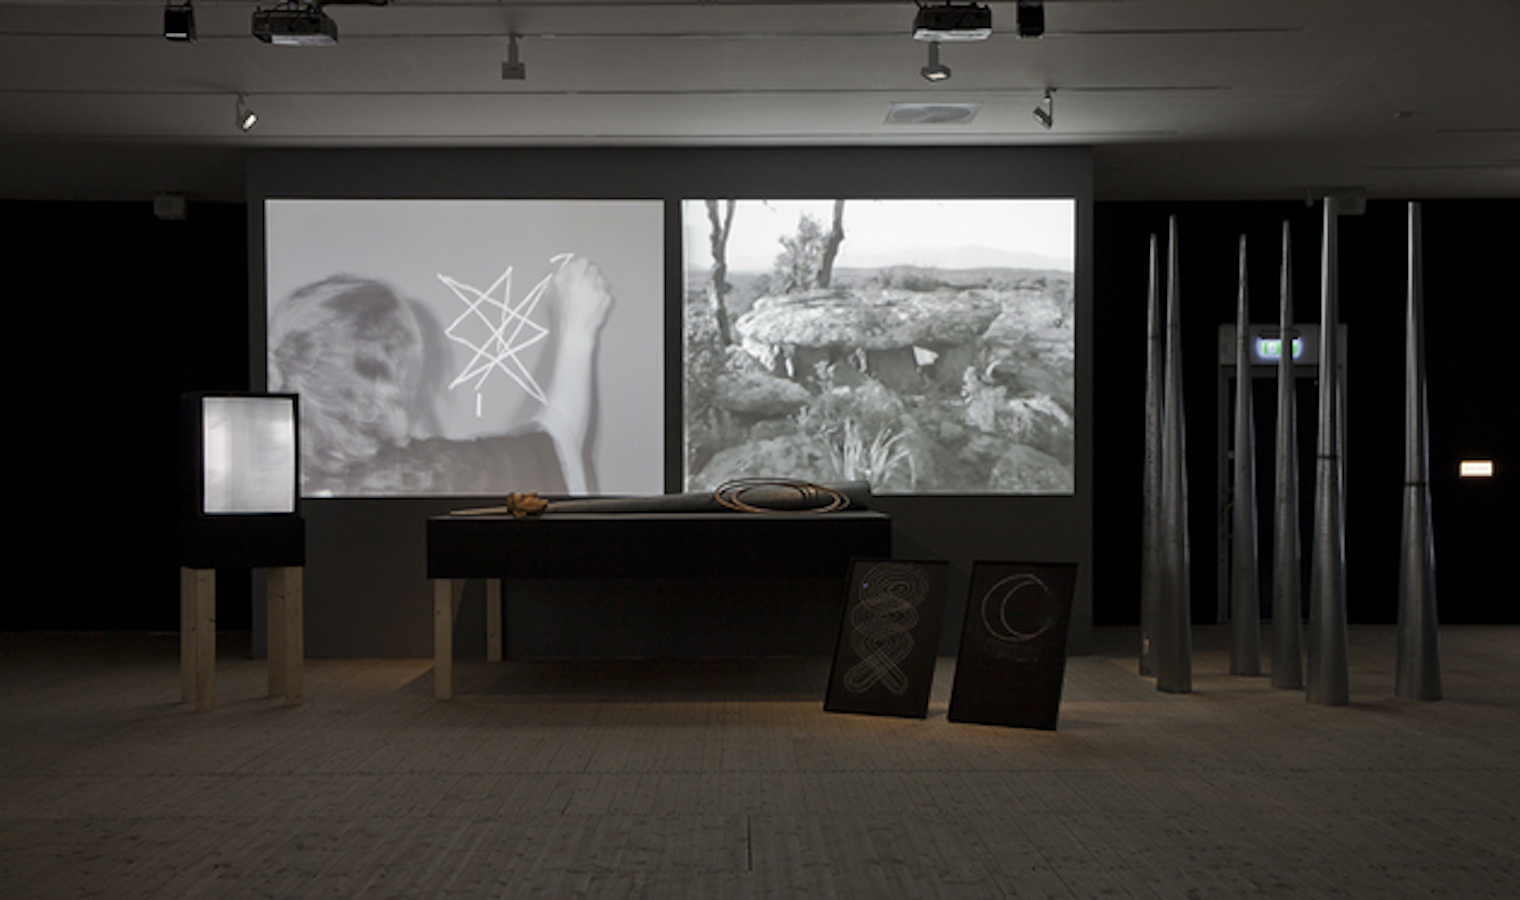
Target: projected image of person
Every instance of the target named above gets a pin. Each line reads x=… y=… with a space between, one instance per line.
x=373 y=368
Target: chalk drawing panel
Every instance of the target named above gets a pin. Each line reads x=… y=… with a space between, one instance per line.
x=1012 y=658
x=884 y=659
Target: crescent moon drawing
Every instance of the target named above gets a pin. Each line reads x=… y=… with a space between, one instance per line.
x=1019 y=609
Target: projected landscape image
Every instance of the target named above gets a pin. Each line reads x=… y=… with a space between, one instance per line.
x=470 y=346
x=925 y=346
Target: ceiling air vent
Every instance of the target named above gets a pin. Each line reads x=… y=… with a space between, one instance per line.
x=932 y=113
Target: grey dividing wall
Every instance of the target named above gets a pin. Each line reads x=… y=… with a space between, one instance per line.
x=366 y=589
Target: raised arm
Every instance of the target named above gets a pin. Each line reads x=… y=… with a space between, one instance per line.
x=582 y=301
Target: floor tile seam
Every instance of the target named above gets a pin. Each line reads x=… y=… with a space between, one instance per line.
x=34 y=779
x=928 y=816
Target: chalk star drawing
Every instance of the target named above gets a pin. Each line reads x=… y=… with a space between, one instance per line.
x=890 y=595
x=497 y=341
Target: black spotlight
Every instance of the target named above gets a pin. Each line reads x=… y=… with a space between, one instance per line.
x=179 y=23
x=1030 y=18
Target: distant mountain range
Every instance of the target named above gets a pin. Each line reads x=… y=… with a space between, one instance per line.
x=965 y=256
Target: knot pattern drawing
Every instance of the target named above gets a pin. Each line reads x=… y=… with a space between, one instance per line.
x=881 y=626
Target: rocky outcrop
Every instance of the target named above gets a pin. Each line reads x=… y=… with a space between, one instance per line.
x=880 y=321
x=792 y=334
x=795 y=456
x=1025 y=470
x=758 y=394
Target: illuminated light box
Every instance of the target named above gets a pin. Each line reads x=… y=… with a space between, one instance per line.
x=470 y=347
x=249 y=461
x=1476 y=468
x=924 y=345
x=241 y=465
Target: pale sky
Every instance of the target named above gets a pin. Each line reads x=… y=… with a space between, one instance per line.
x=944 y=233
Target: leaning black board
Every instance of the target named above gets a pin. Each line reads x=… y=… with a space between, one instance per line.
x=1012 y=656
x=888 y=635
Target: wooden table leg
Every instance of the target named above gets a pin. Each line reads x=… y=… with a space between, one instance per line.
x=287 y=652
x=495 y=645
x=197 y=637
x=443 y=638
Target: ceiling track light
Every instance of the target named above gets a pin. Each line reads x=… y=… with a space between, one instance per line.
x=1030 y=19
x=952 y=22
x=246 y=117
x=513 y=69
x=179 y=22
x=935 y=70
x=1045 y=113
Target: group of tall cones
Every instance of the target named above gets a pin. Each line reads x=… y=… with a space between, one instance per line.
x=1165 y=614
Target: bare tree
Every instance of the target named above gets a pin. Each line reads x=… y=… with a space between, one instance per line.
x=718 y=240
x=831 y=246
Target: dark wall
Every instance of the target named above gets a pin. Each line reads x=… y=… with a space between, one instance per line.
x=1472 y=315
x=119 y=312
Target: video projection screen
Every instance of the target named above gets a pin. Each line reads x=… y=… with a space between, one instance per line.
x=927 y=346
x=454 y=347
x=644 y=224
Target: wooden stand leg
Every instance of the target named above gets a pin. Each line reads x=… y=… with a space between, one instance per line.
x=188 y=585
x=443 y=638
x=274 y=607
x=287 y=651
x=197 y=637
x=495 y=648
x=295 y=636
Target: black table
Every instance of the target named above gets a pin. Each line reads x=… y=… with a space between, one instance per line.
x=632 y=545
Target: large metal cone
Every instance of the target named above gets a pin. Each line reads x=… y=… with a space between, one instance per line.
x=1245 y=589
x=1329 y=668
x=1150 y=553
x=1287 y=572
x=1418 y=670
x=1173 y=642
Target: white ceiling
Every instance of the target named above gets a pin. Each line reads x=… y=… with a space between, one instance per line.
x=1182 y=99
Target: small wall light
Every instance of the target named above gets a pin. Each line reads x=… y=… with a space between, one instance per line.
x=169 y=207
x=1476 y=468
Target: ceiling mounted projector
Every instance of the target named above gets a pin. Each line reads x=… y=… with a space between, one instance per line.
x=295 y=25
x=953 y=22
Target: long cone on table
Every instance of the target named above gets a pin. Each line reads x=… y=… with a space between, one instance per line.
x=757 y=495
